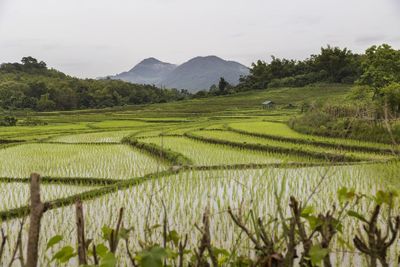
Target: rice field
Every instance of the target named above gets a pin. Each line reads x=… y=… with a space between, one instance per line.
x=14 y=195
x=246 y=139
x=71 y=160
x=220 y=177
x=283 y=130
x=204 y=154
x=187 y=194
x=98 y=137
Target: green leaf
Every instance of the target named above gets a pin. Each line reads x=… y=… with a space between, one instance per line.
x=314 y=222
x=64 y=255
x=152 y=258
x=101 y=250
x=174 y=237
x=385 y=197
x=53 y=241
x=307 y=211
x=108 y=260
x=317 y=254
x=357 y=215
x=106 y=232
x=124 y=233
x=220 y=251
x=346 y=194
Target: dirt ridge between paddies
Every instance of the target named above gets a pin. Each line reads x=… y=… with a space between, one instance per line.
x=358 y=148
x=65 y=180
x=88 y=195
x=276 y=149
x=172 y=157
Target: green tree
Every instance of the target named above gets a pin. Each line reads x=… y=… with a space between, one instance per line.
x=340 y=65
x=30 y=63
x=381 y=66
x=45 y=104
x=223 y=86
x=391 y=96
x=11 y=94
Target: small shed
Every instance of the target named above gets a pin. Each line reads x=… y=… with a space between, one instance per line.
x=268 y=104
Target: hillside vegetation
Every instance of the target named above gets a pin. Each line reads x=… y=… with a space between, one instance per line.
x=31 y=85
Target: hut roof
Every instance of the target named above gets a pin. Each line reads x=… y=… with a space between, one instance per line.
x=268 y=102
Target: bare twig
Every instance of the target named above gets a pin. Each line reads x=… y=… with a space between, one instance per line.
x=114 y=238
x=181 y=250
x=3 y=244
x=95 y=258
x=377 y=245
x=18 y=246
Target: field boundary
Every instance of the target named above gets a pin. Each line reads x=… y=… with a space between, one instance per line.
x=84 y=196
x=309 y=142
x=172 y=157
x=90 y=181
x=275 y=149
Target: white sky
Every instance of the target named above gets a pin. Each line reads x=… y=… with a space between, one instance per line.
x=92 y=38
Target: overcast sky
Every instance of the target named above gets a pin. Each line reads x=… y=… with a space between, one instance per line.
x=91 y=38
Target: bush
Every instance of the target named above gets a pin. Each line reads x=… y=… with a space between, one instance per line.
x=319 y=122
x=8 y=121
x=298 y=80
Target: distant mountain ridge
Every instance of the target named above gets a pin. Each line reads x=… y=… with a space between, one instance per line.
x=196 y=74
x=148 y=71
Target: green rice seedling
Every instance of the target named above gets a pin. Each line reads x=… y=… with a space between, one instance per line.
x=119 y=124
x=282 y=130
x=98 y=137
x=186 y=194
x=288 y=146
x=210 y=154
x=14 y=195
x=71 y=160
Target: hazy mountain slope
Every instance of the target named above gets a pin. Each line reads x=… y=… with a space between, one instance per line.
x=148 y=71
x=196 y=74
x=202 y=72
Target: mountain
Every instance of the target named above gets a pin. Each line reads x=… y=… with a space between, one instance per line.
x=202 y=72
x=148 y=71
x=194 y=75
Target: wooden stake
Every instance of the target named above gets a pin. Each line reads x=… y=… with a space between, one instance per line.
x=36 y=213
x=80 y=224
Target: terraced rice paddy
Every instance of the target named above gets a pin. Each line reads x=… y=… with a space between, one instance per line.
x=282 y=130
x=153 y=184
x=98 y=137
x=119 y=124
x=210 y=154
x=246 y=139
x=70 y=160
x=16 y=195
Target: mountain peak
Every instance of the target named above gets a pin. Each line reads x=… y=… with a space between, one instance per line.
x=151 y=60
x=207 y=58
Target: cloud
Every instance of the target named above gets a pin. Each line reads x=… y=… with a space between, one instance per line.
x=370 y=39
x=105 y=37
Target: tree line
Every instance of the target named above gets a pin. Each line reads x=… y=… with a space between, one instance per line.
x=31 y=85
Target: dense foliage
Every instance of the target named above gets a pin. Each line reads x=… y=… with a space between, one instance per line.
x=332 y=65
x=372 y=108
x=32 y=85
